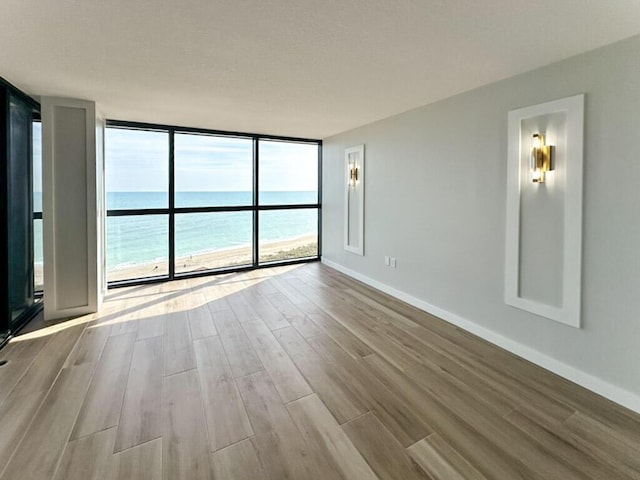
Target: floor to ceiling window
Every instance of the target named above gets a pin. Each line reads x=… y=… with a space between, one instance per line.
x=288 y=175
x=137 y=181
x=213 y=172
x=38 y=249
x=184 y=201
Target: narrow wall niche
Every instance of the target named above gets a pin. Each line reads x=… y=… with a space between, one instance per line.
x=544 y=209
x=354 y=200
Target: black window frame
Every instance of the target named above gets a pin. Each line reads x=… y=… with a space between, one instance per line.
x=255 y=207
x=10 y=326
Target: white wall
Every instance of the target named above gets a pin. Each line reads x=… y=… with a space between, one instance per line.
x=435 y=199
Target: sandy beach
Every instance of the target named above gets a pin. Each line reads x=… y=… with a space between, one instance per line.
x=38 y=276
x=295 y=248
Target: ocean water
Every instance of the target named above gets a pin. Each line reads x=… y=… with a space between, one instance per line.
x=140 y=239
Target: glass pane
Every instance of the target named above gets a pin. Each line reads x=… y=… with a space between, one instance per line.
x=288 y=172
x=288 y=234
x=137 y=168
x=206 y=241
x=213 y=171
x=37 y=167
x=137 y=247
x=18 y=165
x=38 y=256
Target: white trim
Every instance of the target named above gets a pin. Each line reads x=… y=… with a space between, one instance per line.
x=92 y=207
x=616 y=394
x=53 y=180
x=569 y=312
x=101 y=212
x=359 y=189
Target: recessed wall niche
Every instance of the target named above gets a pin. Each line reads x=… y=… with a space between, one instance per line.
x=544 y=209
x=354 y=200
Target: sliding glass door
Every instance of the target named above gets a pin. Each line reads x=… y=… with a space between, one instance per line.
x=185 y=202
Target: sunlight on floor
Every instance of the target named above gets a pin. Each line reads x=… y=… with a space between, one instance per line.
x=51 y=329
x=148 y=301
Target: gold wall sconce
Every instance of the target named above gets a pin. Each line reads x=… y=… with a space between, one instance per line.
x=353 y=174
x=541 y=158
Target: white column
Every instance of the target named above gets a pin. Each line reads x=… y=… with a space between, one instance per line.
x=73 y=207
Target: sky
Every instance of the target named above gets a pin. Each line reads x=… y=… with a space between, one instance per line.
x=137 y=160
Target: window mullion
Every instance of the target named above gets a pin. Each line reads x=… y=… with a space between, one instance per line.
x=256 y=202
x=172 y=206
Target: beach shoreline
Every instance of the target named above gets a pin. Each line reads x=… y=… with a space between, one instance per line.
x=300 y=247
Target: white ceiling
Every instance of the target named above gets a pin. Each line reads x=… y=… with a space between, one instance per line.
x=308 y=68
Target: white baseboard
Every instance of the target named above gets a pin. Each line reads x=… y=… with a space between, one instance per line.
x=595 y=384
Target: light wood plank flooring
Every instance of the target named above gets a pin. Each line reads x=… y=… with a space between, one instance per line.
x=293 y=372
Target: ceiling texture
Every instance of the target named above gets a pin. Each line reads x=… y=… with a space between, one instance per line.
x=305 y=68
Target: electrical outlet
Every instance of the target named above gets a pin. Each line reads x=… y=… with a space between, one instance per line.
x=387 y=260
x=393 y=262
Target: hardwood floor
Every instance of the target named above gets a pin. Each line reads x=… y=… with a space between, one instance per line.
x=291 y=373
